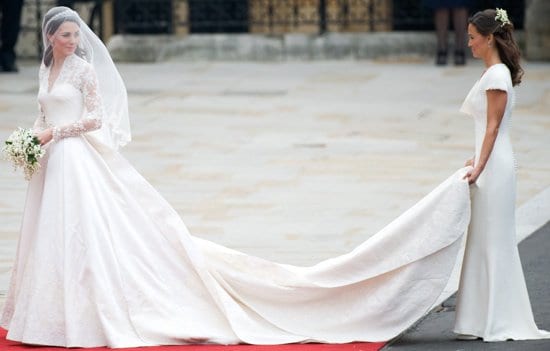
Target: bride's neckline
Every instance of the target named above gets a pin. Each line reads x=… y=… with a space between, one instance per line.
x=51 y=84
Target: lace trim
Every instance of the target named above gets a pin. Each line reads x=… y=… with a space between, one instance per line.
x=80 y=75
x=40 y=122
x=75 y=129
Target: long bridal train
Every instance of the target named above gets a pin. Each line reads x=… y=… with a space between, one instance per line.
x=118 y=267
x=104 y=260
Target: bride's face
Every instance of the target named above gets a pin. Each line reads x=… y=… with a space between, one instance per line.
x=65 y=40
x=478 y=43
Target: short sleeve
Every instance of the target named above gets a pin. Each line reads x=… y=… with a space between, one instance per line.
x=496 y=78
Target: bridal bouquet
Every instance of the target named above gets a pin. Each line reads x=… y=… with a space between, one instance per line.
x=23 y=149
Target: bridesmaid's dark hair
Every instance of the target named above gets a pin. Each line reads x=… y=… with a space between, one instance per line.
x=53 y=26
x=508 y=50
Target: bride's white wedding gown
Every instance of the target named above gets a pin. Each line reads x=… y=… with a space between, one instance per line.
x=103 y=259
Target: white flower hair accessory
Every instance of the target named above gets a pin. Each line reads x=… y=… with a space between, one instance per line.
x=502 y=17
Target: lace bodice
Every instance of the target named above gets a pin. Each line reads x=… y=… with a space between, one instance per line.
x=70 y=104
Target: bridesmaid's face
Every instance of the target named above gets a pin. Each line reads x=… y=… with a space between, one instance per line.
x=478 y=43
x=66 y=39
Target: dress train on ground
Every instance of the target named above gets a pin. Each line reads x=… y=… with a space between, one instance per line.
x=103 y=259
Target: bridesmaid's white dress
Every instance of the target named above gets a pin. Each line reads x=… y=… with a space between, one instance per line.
x=492 y=301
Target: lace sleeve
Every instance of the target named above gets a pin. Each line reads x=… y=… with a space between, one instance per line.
x=40 y=122
x=92 y=118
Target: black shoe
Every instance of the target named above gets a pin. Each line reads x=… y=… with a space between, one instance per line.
x=441 y=58
x=460 y=58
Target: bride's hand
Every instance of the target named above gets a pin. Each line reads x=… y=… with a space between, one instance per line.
x=45 y=136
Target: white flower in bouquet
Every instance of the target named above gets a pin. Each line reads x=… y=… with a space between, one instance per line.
x=22 y=149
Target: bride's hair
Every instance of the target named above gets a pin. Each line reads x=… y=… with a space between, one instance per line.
x=52 y=21
x=486 y=23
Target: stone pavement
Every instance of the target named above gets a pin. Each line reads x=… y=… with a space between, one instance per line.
x=297 y=161
x=434 y=333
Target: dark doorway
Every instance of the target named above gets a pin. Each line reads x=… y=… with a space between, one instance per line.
x=218 y=16
x=413 y=15
x=143 y=16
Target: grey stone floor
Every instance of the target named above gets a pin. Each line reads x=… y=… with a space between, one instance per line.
x=434 y=332
x=297 y=161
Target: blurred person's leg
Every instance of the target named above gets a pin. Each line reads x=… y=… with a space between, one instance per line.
x=441 y=19
x=9 y=32
x=460 y=23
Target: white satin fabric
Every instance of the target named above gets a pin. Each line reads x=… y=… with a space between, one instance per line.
x=103 y=259
x=493 y=302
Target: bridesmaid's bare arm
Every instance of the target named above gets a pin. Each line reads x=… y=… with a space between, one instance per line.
x=496 y=104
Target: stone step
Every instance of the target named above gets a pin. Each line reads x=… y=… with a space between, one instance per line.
x=287 y=47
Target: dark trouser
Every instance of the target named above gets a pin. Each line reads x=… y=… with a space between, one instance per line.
x=11 y=23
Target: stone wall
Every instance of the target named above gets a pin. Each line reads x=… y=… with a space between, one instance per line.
x=180 y=16
x=30 y=37
x=537 y=29
x=281 y=47
x=358 y=17
x=294 y=33
x=302 y=16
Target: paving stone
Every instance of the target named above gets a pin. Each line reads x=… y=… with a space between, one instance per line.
x=295 y=161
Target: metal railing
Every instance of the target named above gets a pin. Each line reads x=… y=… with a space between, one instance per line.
x=34 y=11
x=143 y=16
x=31 y=20
x=207 y=16
x=273 y=16
x=256 y=16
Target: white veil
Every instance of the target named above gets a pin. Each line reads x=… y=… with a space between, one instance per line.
x=115 y=130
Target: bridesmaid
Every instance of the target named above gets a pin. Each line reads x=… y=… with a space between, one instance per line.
x=492 y=302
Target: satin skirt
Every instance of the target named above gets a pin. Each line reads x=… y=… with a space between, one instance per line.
x=104 y=260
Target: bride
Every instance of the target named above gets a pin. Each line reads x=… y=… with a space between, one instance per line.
x=104 y=260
